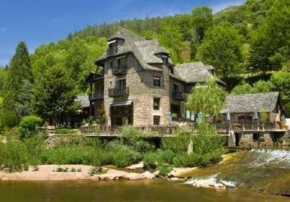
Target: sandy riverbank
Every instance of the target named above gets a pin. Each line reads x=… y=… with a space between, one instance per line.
x=49 y=173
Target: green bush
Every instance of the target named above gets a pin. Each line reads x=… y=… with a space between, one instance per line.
x=72 y=155
x=125 y=156
x=164 y=170
x=65 y=131
x=134 y=138
x=8 y=119
x=204 y=144
x=14 y=156
x=177 y=144
x=28 y=126
x=166 y=156
x=150 y=160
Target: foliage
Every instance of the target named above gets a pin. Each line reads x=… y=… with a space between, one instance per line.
x=150 y=160
x=165 y=156
x=281 y=82
x=55 y=95
x=206 y=98
x=18 y=71
x=134 y=138
x=258 y=87
x=25 y=104
x=164 y=170
x=13 y=156
x=221 y=48
x=202 y=20
x=178 y=143
x=65 y=131
x=8 y=119
x=121 y=155
x=28 y=126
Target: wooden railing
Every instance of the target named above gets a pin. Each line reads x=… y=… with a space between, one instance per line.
x=96 y=96
x=119 y=70
x=222 y=128
x=118 y=92
x=176 y=95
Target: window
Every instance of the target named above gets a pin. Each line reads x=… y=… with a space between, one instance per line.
x=157 y=81
x=113 y=47
x=165 y=59
x=111 y=64
x=156 y=103
x=156 y=120
x=121 y=83
x=122 y=62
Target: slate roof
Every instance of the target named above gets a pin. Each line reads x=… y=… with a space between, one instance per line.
x=246 y=103
x=144 y=50
x=83 y=100
x=194 y=72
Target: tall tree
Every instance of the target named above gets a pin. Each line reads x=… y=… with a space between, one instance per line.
x=55 y=95
x=270 y=44
x=18 y=71
x=221 y=48
x=202 y=20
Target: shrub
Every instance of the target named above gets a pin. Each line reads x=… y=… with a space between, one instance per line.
x=134 y=138
x=164 y=170
x=72 y=155
x=150 y=160
x=8 y=119
x=65 y=131
x=14 y=156
x=185 y=160
x=34 y=147
x=166 y=156
x=204 y=144
x=28 y=126
x=177 y=144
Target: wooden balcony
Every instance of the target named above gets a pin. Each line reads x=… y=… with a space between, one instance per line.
x=176 y=95
x=119 y=70
x=96 y=96
x=118 y=92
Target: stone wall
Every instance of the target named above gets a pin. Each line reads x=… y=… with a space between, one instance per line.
x=261 y=140
x=141 y=92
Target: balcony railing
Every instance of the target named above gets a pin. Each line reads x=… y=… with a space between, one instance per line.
x=119 y=70
x=96 y=96
x=176 y=95
x=118 y=92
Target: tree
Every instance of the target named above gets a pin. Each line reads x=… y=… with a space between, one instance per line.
x=281 y=83
x=221 y=48
x=18 y=71
x=55 y=95
x=258 y=87
x=207 y=98
x=171 y=38
x=270 y=44
x=202 y=20
x=25 y=104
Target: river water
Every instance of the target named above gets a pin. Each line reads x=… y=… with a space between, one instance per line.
x=155 y=190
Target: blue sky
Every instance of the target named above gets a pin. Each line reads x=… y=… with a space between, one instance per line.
x=43 y=21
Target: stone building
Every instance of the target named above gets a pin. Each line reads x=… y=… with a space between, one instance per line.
x=255 y=119
x=139 y=84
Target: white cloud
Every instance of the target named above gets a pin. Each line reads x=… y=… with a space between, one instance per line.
x=218 y=7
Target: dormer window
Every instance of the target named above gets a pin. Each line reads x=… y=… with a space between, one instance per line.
x=165 y=59
x=113 y=47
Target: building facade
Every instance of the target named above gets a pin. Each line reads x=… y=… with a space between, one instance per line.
x=139 y=84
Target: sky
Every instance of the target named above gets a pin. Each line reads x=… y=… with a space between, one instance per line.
x=43 y=21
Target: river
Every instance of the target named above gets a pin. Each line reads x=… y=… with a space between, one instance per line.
x=117 y=191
